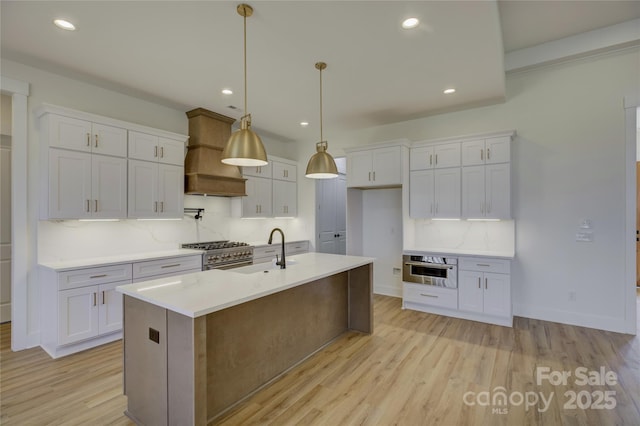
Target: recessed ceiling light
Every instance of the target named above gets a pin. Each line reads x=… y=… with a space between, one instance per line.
x=449 y=91
x=304 y=123
x=227 y=92
x=64 y=24
x=410 y=23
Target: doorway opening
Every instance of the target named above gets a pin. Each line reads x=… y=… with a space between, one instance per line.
x=5 y=208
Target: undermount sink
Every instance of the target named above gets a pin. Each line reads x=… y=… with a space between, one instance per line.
x=263 y=267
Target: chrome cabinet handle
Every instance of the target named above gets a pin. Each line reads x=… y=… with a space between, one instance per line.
x=95 y=205
x=155 y=206
x=104 y=298
x=430 y=159
x=482 y=154
x=98 y=276
x=170 y=266
x=155 y=151
x=479 y=282
x=88 y=206
x=369 y=176
x=95 y=296
x=483 y=264
x=88 y=139
x=430 y=265
x=162 y=152
x=486 y=285
x=96 y=145
x=428 y=295
x=488 y=154
x=374 y=176
x=161 y=206
x=436 y=159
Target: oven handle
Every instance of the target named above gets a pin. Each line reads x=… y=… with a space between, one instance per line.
x=229 y=265
x=429 y=265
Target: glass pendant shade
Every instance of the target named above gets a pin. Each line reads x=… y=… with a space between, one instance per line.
x=244 y=147
x=321 y=164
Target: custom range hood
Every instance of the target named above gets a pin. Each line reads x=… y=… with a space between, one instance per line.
x=204 y=173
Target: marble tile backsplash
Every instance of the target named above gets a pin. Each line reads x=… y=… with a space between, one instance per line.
x=72 y=239
x=462 y=235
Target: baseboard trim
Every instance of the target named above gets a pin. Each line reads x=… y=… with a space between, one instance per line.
x=597 y=322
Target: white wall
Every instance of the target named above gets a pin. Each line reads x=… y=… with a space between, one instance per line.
x=59 y=240
x=568 y=164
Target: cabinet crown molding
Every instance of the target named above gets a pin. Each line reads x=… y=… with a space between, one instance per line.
x=395 y=142
x=511 y=133
x=46 y=108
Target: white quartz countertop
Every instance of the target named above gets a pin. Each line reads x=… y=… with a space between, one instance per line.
x=63 y=265
x=201 y=293
x=462 y=252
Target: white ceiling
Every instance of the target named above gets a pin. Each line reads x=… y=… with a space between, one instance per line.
x=182 y=53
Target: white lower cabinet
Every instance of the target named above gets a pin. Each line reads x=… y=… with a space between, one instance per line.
x=80 y=307
x=267 y=252
x=483 y=293
x=88 y=312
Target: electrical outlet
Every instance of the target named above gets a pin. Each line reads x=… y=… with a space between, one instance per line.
x=396 y=271
x=154 y=335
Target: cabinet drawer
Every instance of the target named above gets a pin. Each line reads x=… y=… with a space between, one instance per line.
x=269 y=251
x=166 y=266
x=91 y=276
x=498 y=266
x=296 y=247
x=430 y=295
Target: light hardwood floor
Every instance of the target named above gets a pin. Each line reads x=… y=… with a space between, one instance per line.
x=414 y=370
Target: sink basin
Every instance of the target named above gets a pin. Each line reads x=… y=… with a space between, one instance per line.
x=262 y=267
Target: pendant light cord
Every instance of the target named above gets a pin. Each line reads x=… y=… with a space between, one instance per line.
x=245 y=63
x=321 y=105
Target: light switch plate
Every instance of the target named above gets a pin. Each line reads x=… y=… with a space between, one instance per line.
x=586 y=224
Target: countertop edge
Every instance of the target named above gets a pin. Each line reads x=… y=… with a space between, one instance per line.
x=68 y=265
x=464 y=253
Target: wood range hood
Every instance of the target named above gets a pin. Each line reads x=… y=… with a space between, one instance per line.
x=204 y=173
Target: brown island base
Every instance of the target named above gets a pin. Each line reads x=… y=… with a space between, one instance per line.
x=190 y=366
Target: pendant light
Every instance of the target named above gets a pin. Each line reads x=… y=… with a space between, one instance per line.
x=321 y=164
x=244 y=147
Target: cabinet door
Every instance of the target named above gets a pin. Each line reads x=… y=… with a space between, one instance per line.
x=143 y=189
x=421 y=194
x=110 y=308
x=470 y=291
x=446 y=155
x=498 y=150
x=108 y=187
x=359 y=169
x=473 y=152
x=170 y=191
x=498 y=191
x=69 y=184
x=387 y=166
x=284 y=198
x=77 y=314
x=171 y=151
x=421 y=158
x=109 y=140
x=284 y=171
x=447 y=193
x=258 y=171
x=70 y=133
x=497 y=294
x=143 y=146
x=257 y=203
x=473 y=192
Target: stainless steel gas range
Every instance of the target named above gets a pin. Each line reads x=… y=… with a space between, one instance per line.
x=223 y=254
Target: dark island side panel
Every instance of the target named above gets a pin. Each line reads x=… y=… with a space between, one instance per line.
x=252 y=343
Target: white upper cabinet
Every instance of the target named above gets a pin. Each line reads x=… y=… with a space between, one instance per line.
x=258 y=201
x=82 y=185
x=486 y=191
x=83 y=135
x=284 y=198
x=143 y=146
x=486 y=151
x=376 y=167
x=435 y=156
x=155 y=190
x=85 y=171
x=284 y=171
x=258 y=171
x=434 y=193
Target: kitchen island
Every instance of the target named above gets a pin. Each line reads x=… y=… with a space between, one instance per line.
x=196 y=344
